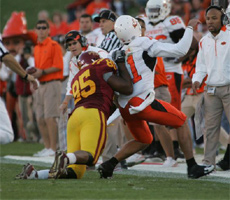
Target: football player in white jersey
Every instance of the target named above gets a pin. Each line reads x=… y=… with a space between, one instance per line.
x=139 y=54
x=166 y=28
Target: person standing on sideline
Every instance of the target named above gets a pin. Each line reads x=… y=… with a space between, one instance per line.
x=49 y=71
x=6 y=131
x=213 y=60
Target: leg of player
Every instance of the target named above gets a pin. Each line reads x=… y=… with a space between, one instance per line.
x=106 y=169
x=62 y=160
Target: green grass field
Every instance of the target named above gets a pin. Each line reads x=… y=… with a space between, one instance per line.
x=128 y=184
x=31 y=9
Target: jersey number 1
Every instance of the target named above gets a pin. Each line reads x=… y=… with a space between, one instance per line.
x=136 y=76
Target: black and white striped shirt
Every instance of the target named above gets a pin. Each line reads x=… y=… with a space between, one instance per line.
x=3 y=50
x=110 y=42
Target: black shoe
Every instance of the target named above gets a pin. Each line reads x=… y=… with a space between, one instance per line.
x=106 y=170
x=223 y=165
x=179 y=156
x=158 y=156
x=196 y=171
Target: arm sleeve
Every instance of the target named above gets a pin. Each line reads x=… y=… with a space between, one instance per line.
x=159 y=49
x=201 y=69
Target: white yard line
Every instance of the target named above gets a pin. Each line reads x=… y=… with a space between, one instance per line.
x=145 y=167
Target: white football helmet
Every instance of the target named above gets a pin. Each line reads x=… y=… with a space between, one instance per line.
x=127 y=28
x=157 y=10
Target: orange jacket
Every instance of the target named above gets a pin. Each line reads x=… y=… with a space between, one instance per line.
x=49 y=54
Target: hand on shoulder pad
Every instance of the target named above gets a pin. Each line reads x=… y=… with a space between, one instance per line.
x=118 y=56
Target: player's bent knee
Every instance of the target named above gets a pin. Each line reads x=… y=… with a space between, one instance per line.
x=146 y=140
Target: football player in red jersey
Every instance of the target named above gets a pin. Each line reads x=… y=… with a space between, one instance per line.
x=93 y=90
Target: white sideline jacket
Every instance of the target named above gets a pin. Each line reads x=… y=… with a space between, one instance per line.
x=214 y=59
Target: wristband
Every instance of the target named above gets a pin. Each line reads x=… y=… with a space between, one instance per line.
x=25 y=78
x=190 y=27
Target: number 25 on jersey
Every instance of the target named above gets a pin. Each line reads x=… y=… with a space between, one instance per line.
x=83 y=87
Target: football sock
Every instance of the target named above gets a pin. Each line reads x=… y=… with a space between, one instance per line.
x=72 y=158
x=191 y=162
x=175 y=144
x=159 y=147
x=43 y=174
x=227 y=154
x=113 y=161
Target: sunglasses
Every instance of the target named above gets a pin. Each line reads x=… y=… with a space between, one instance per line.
x=70 y=44
x=42 y=27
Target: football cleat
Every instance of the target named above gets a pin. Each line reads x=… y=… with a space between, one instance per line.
x=197 y=171
x=106 y=170
x=28 y=172
x=59 y=166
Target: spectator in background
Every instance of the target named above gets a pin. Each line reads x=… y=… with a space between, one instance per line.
x=49 y=71
x=94 y=37
x=71 y=9
x=44 y=15
x=75 y=25
x=212 y=60
x=59 y=27
x=18 y=97
x=118 y=6
x=95 y=6
x=6 y=131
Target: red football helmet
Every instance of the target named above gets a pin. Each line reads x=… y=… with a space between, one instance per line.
x=87 y=58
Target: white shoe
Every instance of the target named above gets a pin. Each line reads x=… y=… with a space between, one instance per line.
x=49 y=152
x=170 y=162
x=135 y=159
x=40 y=152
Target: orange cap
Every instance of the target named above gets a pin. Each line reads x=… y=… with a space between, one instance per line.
x=17 y=26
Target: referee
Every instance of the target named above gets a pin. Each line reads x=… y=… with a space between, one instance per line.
x=106 y=20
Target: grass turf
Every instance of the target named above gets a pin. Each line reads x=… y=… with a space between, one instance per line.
x=131 y=185
x=31 y=9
